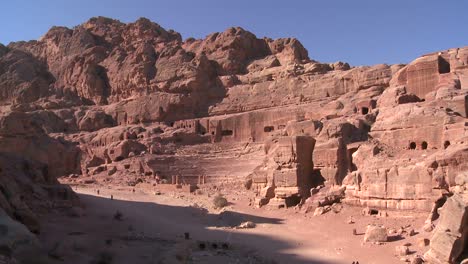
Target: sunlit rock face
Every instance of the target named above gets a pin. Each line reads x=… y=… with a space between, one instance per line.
x=136 y=104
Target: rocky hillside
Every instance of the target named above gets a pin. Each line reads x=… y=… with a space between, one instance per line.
x=135 y=104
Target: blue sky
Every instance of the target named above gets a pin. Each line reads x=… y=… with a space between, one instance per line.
x=361 y=32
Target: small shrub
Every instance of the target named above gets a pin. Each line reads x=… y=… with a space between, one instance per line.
x=219 y=201
x=118 y=216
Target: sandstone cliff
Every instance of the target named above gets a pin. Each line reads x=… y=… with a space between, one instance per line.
x=135 y=103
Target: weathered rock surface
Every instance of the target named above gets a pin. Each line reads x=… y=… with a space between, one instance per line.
x=375 y=234
x=135 y=104
x=286 y=170
x=449 y=241
x=17 y=242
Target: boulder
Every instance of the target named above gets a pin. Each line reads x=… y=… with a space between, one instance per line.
x=375 y=234
x=402 y=250
x=246 y=225
x=321 y=210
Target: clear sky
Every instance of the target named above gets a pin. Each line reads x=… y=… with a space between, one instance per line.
x=361 y=32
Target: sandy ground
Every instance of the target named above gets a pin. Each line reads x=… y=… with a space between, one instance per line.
x=151 y=230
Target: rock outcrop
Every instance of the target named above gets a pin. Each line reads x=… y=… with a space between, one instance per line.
x=136 y=104
x=30 y=162
x=449 y=241
x=16 y=241
x=285 y=173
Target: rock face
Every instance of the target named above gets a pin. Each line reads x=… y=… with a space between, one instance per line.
x=23 y=78
x=16 y=240
x=135 y=104
x=286 y=170
x=30 y=162
x=449 y=241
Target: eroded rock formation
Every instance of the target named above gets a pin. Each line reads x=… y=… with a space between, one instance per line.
x=449 y=240
x=136 y=104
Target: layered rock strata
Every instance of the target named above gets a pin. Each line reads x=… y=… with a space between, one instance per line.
x=136 y=104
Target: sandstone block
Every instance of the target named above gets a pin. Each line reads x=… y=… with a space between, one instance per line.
x=375 y=234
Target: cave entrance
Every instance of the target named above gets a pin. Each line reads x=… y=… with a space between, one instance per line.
x=226 y=133
x=365 y=110
x=424 y=145
x=292 y=200
x=412 y=145
x=268 y=129
x=444 y=66
x=317 y=178
x=373 y=212
x=446 y=144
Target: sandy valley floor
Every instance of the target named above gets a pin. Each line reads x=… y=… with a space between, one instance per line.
x=142 y=227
